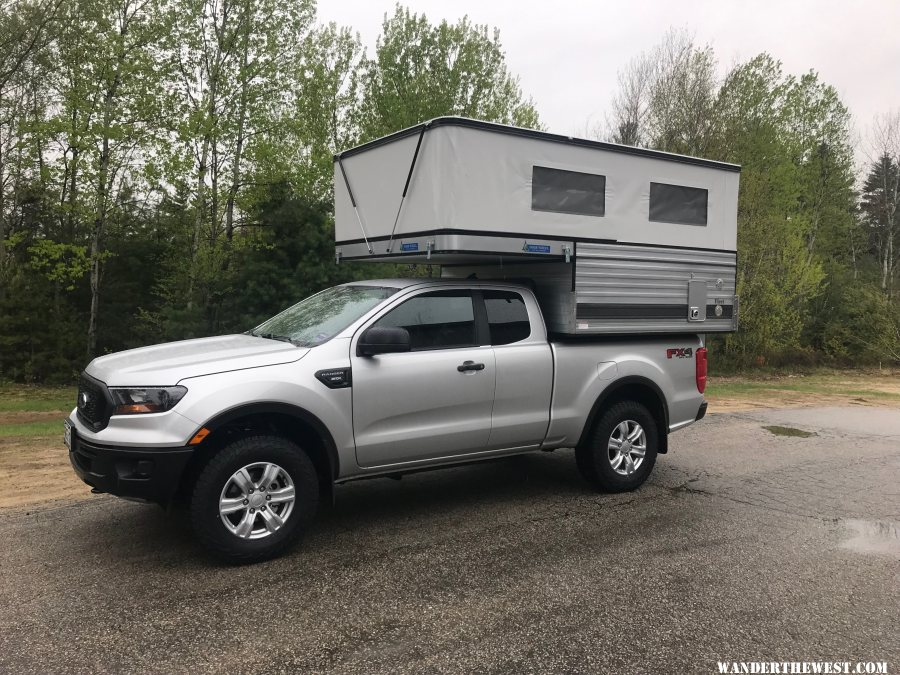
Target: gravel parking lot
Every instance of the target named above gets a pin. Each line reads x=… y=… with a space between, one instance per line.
x=745 y=545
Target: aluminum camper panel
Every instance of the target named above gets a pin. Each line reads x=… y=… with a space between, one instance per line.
x=619 y=286
x=615 y=288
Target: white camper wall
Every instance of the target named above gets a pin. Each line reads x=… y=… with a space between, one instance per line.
x=478 y=179
x=376 y=177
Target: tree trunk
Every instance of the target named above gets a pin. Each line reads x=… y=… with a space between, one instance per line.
x=889 y=263
x=242 y=114
x=199 y=217
x=2 y=228
x=95 y=295
x=213 y=72
x=103 y=189
x=99 y=227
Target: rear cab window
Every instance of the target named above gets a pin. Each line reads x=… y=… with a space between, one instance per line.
x=507 y=317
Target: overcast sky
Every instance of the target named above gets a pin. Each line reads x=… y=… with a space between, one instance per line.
x=567 y=52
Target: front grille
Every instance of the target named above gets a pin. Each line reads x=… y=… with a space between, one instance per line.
x=94 y=406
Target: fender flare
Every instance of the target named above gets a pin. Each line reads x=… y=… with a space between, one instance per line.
x=616 y=386
x=289 y=410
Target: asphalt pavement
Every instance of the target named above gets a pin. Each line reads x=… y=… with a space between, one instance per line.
x=743 y=546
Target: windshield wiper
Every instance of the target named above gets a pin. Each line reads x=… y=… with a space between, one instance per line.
x=272 y=336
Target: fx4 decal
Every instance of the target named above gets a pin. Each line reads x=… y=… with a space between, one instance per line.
x=679 y=353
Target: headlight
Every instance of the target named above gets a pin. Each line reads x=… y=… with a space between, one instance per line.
x=140 y=400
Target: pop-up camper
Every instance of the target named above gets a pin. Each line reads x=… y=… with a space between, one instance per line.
x=615 y=239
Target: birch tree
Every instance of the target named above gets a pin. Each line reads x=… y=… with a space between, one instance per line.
x=108 y=86
x=667 y=97
x=881 y=198
x=233 y=93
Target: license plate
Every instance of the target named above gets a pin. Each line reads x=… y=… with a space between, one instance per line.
x=67 y=435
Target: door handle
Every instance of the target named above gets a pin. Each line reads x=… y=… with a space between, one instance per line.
x=470 y=365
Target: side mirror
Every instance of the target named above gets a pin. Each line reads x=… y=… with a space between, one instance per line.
x=378 y=340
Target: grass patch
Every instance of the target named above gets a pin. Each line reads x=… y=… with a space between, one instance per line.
x=833 y=385
x=20 y=398
x=32 y=429
x=790 y=431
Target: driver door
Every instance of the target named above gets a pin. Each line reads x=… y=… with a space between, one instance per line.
x=432 y=402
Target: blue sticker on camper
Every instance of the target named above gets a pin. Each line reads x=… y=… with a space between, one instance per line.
x=537 y=248
x=409 y=247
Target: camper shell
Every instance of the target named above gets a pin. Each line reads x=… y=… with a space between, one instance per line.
x=613 y=239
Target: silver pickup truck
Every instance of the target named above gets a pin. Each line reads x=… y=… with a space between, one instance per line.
x=372 y=378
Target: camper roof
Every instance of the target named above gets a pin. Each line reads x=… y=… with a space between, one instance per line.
x=531 y=133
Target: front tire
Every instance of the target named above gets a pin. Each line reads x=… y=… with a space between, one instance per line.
x=621 y=449
x=254 y=499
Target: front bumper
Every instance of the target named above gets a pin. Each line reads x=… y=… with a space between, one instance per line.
x=143 y=473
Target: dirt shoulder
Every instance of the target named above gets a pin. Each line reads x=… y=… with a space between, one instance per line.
x=736 y=393
x=37 y=471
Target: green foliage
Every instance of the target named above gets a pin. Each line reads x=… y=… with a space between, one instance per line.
x=42 y=331
x=796 y=207
x=330 y=80
x=421 y=71
x=855 y=323
x=166 y=172
x=61 y=263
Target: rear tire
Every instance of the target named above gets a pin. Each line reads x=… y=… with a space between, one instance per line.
x=621 y=449
x=254 y=499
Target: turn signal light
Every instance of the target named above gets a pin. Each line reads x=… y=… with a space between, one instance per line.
x=199 y=436
x=137 y=409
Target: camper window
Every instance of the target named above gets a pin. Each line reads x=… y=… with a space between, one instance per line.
x=678 y=204
x=567 y=191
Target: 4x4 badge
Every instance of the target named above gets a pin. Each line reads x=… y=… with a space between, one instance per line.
x=680 y=352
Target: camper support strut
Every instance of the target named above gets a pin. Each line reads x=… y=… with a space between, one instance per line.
x=355 y=208
x=406 y=186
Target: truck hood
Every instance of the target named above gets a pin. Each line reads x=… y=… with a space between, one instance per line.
x=167 y=364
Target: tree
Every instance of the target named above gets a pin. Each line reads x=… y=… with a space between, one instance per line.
x=881 y=198
x=292 y=258
x=107 y=91
x=421 y=71
x=329 y=78
x=667 y=98
x=26 y=28
x=165 y=167
x=235 y=93
x=795 y=214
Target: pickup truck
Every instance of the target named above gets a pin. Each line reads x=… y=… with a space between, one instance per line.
x=371 y=378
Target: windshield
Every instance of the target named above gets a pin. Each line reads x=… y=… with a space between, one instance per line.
x=319 y=318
